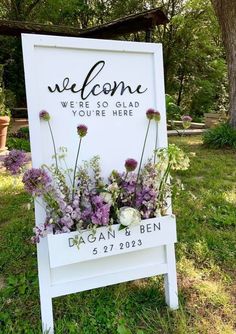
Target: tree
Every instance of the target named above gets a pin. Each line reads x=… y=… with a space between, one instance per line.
x=226 y=14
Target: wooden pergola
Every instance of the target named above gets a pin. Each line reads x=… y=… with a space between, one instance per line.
x=145 y=21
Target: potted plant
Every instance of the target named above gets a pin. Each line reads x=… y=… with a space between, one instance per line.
x=4 y=114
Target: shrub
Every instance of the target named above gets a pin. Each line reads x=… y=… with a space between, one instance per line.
x=23 y=133
x=222 y=136
x=173 y=111
x=18 y=144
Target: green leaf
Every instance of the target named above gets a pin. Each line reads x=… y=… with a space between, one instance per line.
x=123 y=330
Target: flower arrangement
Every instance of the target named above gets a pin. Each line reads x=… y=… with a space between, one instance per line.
x=80 y=199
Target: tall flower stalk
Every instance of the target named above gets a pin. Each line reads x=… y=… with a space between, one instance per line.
x=150 y=115
x=45 y=116
x=157 y=118
x=82 y=131
x=130 y=166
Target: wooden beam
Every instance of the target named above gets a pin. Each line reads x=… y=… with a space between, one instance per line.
x=144 y=21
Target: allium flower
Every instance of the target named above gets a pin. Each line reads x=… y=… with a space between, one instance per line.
x=36 y=181
x=44 y=115
x=14 y=161
x=129 y=216
x=186 y=118
x=150 y=113
x=186 y=121
x=82 y=130
x=130 y=165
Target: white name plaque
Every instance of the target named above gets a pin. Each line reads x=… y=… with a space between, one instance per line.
x=107 y=242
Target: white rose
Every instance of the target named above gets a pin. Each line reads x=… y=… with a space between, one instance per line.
x=129 y=216
x=107 y=197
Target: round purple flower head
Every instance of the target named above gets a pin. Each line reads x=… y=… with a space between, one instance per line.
x=14 y=161
x=36 y=181
x=130 y=165
x=186 y=118
x=186 y=121
x=82 y=130
x=150 y=113
x=44 y=115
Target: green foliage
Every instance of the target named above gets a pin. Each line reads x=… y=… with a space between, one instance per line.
x=23 y=132
x=4 y=111
x=195 y=69
x=173 y=111
x=18 y=144
x=222 y=136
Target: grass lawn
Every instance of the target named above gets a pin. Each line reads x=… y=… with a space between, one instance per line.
x=206 y=264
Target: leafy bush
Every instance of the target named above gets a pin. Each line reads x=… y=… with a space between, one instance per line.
x=173 y=111
x=18 y=144
x=224 y=135
x=23 y=133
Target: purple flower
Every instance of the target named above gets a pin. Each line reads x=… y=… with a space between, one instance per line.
x=186 y=121
x=130 y=165
x=44 y=115
x=14 y=161
x=153 y=114
x=186 y=118
x=82 y=130
x=101 y=215
x=66 y=221
x=146 y=202
x=36 y=181
x=101 y=211
x=150 y=113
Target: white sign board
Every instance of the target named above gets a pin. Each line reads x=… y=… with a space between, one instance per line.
x=108 y=86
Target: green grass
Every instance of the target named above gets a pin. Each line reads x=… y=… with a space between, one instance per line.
x=206 y=253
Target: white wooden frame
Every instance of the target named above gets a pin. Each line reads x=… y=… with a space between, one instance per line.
x=105 y=271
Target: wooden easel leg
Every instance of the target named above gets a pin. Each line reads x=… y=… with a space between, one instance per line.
x=45 y=287
x=171 y=290
x=47 y=315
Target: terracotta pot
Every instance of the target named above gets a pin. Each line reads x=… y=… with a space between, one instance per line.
x=4 y=122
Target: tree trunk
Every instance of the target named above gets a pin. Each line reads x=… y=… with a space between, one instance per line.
x=226 y=14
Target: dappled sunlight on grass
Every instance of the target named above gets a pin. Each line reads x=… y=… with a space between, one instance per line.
x=230 y=196
x=9 y=184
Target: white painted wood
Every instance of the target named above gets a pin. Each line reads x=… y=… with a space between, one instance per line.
x=44 y=287
x=105 y=266
x=106 y=280
x=49 y=59
x=109 y=242
x=170 y=279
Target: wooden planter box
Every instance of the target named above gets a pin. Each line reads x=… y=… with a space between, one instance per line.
x=110 y=242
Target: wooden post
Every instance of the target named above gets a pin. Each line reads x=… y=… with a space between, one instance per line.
x=148 y=37
x=170 y=279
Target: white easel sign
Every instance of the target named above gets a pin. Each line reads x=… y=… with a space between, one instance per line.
x=95 y=94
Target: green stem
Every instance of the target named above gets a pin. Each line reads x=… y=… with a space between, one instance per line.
x=68 y=173
x=126 y=176
x=156 y=142
x=54 y=145
x=76 y=161
x=163 y=181
x=141 y=159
